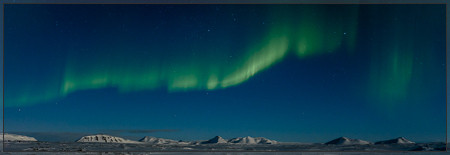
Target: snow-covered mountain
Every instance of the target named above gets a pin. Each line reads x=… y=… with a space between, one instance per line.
x=262 y=140
x=251 y=140
x=216 y=140
x=399 y=140
x=14 y=137
x=154 y=140
x=347 y=141
x=101 y=138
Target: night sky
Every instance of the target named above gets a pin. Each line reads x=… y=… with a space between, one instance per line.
x=306 y=73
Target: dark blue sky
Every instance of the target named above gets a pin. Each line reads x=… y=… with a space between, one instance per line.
x=306 y=73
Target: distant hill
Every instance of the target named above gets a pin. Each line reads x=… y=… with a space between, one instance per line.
x=101 y=138
x=154 y=140
x=14 y=137
x=239 y=140
x=216 y=140
x=251 y=140
x=399 y=140
x=347 y=141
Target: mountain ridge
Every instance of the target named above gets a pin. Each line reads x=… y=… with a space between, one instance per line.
x=103 y=138
x=16 y=137
x=347 y=141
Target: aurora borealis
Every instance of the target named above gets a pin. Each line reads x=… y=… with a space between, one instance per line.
x=377 y=61
x=132 y=68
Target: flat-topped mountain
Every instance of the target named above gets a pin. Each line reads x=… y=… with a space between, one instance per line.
x=101 y=138
x=14 y=137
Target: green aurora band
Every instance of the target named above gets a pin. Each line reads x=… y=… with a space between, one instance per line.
x=400 y=63
x=305 y=32
x=307 y=35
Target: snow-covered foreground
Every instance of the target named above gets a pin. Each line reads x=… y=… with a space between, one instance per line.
x=226 y=153
x=76 y=146
x=101 y=143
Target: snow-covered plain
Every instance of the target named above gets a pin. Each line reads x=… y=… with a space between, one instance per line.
x=76 y=146
x=226 y=153
x=101 y=143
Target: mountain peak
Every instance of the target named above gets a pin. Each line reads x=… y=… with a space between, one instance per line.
x=216 y=140
x=347 y=141
x=344 y=138
x=251 y=140
x=154 y=140
x=399 y=140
